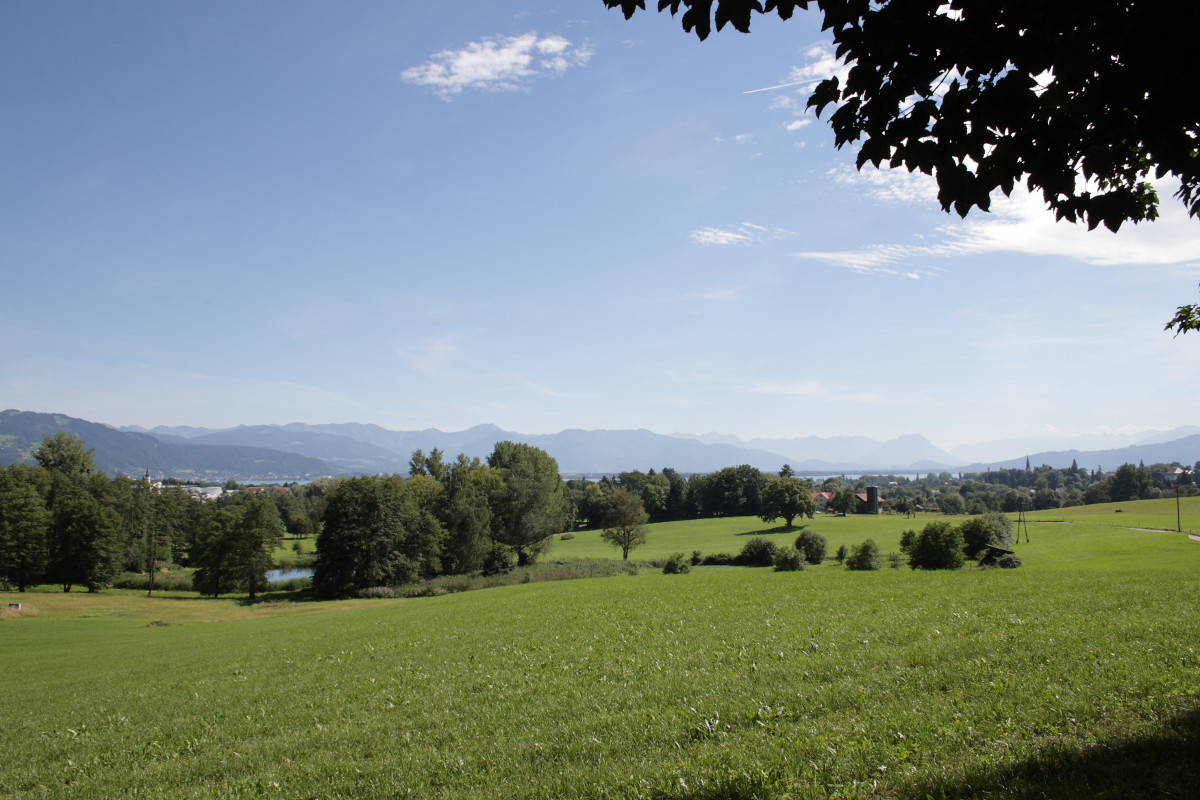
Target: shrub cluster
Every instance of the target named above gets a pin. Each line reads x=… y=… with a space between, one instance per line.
x=718 y=560
x=758 y=552
x=812 y=545
x=943 y=545
x=498 y=561
x=939 y=545
x=991 y=528
x=864 y=556
x=789 y=559
x=676 y=564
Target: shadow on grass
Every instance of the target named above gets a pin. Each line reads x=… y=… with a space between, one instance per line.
x=1163 y=765
x=773 y=531
x=307 y=595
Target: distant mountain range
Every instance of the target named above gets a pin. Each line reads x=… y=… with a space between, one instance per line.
x=301 y=451
x=132 y=453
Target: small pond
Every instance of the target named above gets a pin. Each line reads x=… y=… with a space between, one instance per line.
x=282 y=575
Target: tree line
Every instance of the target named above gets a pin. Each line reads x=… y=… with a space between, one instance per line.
x=63 y=522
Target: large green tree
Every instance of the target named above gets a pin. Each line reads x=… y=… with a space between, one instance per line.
x=24 y=524
x=466 y=515
x=529 y=505
x=376 y=533
x=238 y=547
x=787 y=497
x=85 y=541
x=214 y=554
x=64 y=455
x=258 y=533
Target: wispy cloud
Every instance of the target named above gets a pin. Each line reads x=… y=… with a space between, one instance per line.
x=497 y=64
x=1019 y=223
x=723 y=294
x=745 y=233
x=432 y=356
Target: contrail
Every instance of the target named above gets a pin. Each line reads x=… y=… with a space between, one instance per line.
x=781 y=86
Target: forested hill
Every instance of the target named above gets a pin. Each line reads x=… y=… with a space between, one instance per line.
x=133 y=453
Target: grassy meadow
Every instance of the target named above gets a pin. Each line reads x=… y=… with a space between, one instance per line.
x=1075 y=676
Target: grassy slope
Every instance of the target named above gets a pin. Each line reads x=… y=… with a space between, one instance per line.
x=729 y=534
x=1075 y=676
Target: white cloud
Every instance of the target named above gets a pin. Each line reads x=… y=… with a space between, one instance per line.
x=1020 y=223
x=745 y=233
x=797 y=124
x=711 y=236
x=822 y=64
x=497 y=64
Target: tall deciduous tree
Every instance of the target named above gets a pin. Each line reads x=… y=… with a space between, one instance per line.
x=529 y=506
x=24 y=523
x=214 y=554
x=85 y=538
x=375 y=533
x=787 y=497
x=626 y=522
x=465 y=513
x=258 y=533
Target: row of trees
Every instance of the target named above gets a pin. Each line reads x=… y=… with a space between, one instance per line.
x=63 y=522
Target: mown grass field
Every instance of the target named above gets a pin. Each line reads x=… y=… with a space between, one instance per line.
x=1077 y=675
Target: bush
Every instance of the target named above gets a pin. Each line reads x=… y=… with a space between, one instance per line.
x=162 y=583
x=812 y=545
x=565 y=536
x=718 y=560
x=498 y=561
x=939 y=545
x=864 y=556
x=895 y=559
x=1009 y=561
x=758 y=552
x=696 y=558
x=991 y=528
x=376 y=592
x=789 y=559
x=841 y=554
x=676 y=564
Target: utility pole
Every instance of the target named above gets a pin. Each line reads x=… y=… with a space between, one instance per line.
x=1178 y=524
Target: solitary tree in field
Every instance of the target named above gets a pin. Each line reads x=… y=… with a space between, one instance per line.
x=788 y=498
x=626 y=522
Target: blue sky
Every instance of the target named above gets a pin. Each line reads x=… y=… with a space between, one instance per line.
x=537 y=215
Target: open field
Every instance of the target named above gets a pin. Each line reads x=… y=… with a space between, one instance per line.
x=727 y=535
x=1077 y=675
